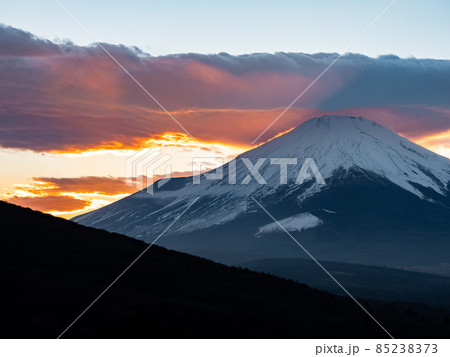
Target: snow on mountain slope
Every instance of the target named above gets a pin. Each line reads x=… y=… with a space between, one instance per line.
x=298 y=223
x=336 y=144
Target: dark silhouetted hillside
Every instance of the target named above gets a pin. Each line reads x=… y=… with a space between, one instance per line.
x=51 y=269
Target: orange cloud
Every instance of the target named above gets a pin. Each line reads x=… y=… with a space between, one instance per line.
x=66 y=98
x=87 y=184
x=67 y=197
x=439 y=143
x=62 y=97
x=50 y=203
x=436 y=139
x=72 y=99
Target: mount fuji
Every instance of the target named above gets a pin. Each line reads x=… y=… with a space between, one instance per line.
x=369 y=196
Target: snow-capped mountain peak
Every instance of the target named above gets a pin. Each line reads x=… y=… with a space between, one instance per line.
x=338 y=147
x=336 y=142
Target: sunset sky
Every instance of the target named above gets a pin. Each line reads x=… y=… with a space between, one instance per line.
x=70 y=117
